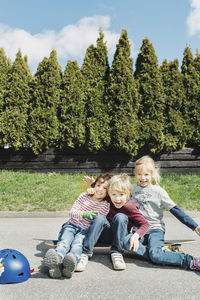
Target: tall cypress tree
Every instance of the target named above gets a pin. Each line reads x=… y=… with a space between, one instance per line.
x=122 y=94
x=197 y=61
x=191 y=79
x=45 y=99
x=71 y=111
x=15 y=105
x=175 y=118
x=5 y=66
x=95 y=70
x=151 y=100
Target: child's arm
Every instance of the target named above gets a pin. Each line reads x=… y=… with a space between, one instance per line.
x=136 y=216
x=78 y=210
x=185 y=219
x=178 y=212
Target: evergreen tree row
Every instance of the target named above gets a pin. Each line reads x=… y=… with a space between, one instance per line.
x=153 y=108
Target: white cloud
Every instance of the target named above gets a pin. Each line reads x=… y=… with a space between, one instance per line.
x=70 y=42
x=193 y=20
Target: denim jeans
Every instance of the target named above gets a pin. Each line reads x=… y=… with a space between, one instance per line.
x=151 y=248
x=110 y=233
x=70 y=239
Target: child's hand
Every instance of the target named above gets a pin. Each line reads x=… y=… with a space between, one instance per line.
x=134 y=242
x=90 y=214
x=197 y=230
x=90 y=191
x=89 y=180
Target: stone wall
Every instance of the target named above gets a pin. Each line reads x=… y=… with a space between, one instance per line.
x=78 y=161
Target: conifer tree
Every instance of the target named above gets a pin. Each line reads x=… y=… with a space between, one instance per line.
x=5 y=66
x=45 y=99
x=151 y=100
x=197 y=61
x=191 y=79
x=14 y=117
x=71 y=111
x=122 y=94
x=175 y=119
x=95 y=70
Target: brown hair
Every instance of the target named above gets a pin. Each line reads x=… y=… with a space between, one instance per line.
x=104 y=177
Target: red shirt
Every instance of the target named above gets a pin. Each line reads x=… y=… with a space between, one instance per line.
x=131 y=211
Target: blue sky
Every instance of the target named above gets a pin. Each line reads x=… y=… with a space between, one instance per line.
x=36 y=27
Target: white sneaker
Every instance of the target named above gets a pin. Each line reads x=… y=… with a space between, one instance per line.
x=82 y=263
x=118 y=261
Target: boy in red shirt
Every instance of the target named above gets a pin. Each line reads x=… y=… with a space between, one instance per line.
x=111 y=230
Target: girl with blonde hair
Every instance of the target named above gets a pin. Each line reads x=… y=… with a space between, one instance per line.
x=150 y=199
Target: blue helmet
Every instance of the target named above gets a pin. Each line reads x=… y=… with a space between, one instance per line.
x=14 y=267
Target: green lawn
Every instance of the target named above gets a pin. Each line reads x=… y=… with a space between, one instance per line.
x=23 y=191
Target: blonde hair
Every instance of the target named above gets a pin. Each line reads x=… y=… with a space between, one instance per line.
x=146 y=162
x=120 y=183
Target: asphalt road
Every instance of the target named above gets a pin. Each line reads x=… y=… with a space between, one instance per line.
x=28 y=233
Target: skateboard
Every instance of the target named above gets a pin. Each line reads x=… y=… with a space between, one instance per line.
x=173 y=245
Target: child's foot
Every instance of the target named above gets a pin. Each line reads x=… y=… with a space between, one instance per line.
x=118 y=261
x=82 y=263
x=195 y=264
x=69 y=265
x=53 y=261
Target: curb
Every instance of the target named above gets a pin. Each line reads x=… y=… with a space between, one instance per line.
x=64 y=214
x=39 y=214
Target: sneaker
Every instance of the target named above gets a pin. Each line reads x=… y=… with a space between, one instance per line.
x=69 y=265
x=118 y=261
x=195 y=264
x=82 y=263
x=53 y=261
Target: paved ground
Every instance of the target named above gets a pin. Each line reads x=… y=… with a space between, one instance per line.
x=27 y=233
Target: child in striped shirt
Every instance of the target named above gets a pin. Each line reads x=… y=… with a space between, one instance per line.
x=69 y=247
x=113 y=229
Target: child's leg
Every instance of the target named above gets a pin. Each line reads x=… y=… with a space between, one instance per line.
x=165 y=257
x=73 y=257
x=119 y=229
x=99 y=230
x=77 y=244
x=94 y=231
x=107 y=237
x=65 y=239
x=54 y=257
x=142 y=250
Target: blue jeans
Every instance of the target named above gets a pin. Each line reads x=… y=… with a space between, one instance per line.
x=103 y=231
x=70 y=239
x=151 y=248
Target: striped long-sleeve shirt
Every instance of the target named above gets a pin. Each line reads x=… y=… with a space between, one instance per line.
x=135 y=217
x=85 y=203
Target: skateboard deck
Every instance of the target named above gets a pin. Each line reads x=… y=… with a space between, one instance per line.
x=173 y=245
